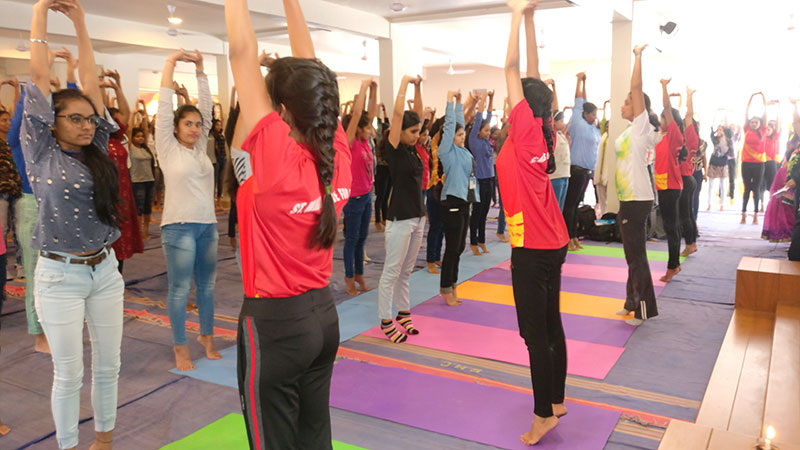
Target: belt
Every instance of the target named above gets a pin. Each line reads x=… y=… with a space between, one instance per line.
x=90 y=261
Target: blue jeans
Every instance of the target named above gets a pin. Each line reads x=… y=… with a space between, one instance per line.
x=357 y=215
x=560 y=188
x=190 y=249
x=435 y=229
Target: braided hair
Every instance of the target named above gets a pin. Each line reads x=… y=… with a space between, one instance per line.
x=540 y=100
x=308 y=90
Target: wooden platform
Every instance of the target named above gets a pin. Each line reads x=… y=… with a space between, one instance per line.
x=762 y=283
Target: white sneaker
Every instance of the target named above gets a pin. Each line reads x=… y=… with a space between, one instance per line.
x=635 y=322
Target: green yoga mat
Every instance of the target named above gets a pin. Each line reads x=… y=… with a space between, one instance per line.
x=617 y=252
x=227 y=433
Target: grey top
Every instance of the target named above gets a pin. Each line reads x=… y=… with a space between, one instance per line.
x=141 y=164
x=62 y=184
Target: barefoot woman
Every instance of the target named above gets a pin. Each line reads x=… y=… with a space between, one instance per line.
x=536 y=226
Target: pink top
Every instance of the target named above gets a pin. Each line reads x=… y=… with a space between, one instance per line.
x=361 y=168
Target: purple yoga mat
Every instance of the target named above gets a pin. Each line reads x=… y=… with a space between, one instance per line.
x=579 y=328
x=606 y=261
x=600 y=288
x=470 y=411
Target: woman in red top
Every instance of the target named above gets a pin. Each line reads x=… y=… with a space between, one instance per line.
x=536 y=226
x=753 y=157
x=688 y=224
x=288 y=327
x=669 y=183
x=772 y=153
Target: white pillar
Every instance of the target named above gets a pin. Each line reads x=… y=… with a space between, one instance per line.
x=621 y=53
x=386 y=78
x=223 y=86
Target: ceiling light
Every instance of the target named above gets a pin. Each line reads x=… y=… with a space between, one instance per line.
x=175 y=20
x=398 y=7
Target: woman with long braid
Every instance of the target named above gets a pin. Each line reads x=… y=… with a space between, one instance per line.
x=288 y=327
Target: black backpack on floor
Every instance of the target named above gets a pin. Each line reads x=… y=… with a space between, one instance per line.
x=585 y=220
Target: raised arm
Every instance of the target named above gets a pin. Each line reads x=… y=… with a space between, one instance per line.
x=87 y=69
x=637 y=92
x=490 y=108
x=749 y=102
x=665 y=97
x=418 y=106
x=482 y=103
x=777 y=104
x=512 y=66
x=399 y=109
x=469 y=107
x=530 y=45
x=299 y=36
x=580 y=87
x=372 y=109
x=124 y=107
x=449 y=126
x=352 y=127
x=552 y=84
x=689 y=106
x=243 y=55
x=40 y=52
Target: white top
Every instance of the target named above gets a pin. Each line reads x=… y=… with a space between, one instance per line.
x=188 y=173
x=634 y=147
x=561 y=153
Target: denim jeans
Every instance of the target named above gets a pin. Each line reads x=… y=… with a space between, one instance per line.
x=560 y=188
x=435 y=228
x=357 y=215
x=143 y=195
x=402 y=238
x=27 y=212
x=66 y=295
x=190 y=249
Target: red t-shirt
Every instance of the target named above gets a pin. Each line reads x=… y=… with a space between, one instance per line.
x=692 y=144
x=772 y=146
x=532 y=213
x=754 y=149
x=668 y=173
x=426 y=166
x=279 y=209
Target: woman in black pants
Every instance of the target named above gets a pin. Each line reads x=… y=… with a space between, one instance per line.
x=383 y=184
x=692 y=140
x=754 y=157
x=669 y=183
x=538 y=251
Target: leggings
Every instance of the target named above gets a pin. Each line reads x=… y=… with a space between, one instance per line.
x=640 y=294
x=731 y=177
x=435 y=228
x=698 y=178
x=455 y=218
x=721 y=189
x=477 y=224
x=285 y=352
x=578 y=182
x=668 y=204
x=383 y=184
x=536 y=281
x=752 y=173
x=770 y=171
x=688 y=225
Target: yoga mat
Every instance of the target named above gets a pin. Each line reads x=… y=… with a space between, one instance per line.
x=470 y=411
x=571 y=303
x=603 y=288
x=594 y=272
x=584 y=359
x=617 y=252
x=579 y=328
x=227 y=433
x=610 y=261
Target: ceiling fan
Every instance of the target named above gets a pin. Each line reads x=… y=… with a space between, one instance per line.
x=174 y=21
x=452 y=71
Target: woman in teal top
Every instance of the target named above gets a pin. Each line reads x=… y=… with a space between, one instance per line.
x=459 y=183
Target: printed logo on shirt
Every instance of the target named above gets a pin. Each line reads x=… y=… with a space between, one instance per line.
x=541 y=159
x=339 y=195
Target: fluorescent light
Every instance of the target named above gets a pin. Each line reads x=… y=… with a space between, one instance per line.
x=175 y=20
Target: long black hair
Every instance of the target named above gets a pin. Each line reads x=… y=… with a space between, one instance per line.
x=683 y=154
x=651 y=116
x=308 y=90
x=105 y=176
x=540 y=100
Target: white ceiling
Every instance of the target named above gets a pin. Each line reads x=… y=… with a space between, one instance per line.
x=422 y=9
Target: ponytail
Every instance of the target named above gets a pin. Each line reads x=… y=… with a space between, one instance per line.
x=540 y=100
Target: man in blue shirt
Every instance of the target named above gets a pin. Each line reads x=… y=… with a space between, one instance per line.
x=583 y=156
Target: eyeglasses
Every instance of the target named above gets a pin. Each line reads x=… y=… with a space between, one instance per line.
x=77 y=119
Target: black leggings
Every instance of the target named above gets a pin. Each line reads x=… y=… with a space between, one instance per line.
x=477 y=222
x=668 y=205
x=640 y=294
x=688 y=225
x=383 y=184
x=455 y=221
x=285 y=352
x=536 y=280
x=752 y=173
x=578 y=182
x=770 y=170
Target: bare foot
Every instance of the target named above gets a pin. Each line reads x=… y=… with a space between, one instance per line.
x=539 y=427
x=102 y=441
x=4 y=429
x=744 y=219
x=475 y=250
x=361 y=283
x=755 y=218
x=432 y=268
x=578 y=244
x=451 y=299
x=183 y=361
x=40 y=344
x=208 y=343
x=438 y=264
x=571 y=246
x=502 y=237
x=721 y=208
x=379 y=227
x=709 y=207
x=559 y=410
x=483 y=248
x=670 y=274
x=691 y=248
x=350 y=286
x=190 y=307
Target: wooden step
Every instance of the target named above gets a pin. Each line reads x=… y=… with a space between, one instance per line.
x=789 y=284
x=782 y=409
x=728 y=440
x=682 y=435
x=748 y=405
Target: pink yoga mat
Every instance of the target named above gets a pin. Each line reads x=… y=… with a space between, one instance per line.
x=470 y=411
x=591 y=272
x=585 y=359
